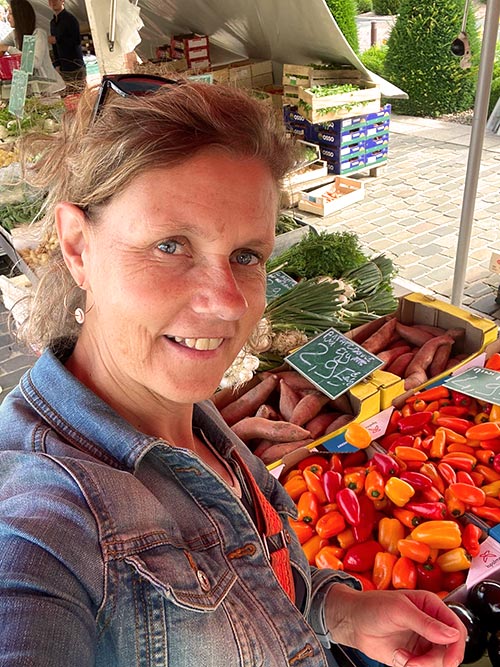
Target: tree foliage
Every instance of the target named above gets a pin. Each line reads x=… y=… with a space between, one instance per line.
x=344 y=13
x=420 y=62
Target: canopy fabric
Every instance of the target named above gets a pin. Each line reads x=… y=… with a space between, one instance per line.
x=284 y=31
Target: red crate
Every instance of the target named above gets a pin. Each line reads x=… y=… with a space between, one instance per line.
x=8 y=64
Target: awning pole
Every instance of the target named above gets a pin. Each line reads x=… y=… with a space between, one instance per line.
x=490 y=34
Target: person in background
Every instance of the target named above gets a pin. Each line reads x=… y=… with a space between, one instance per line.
x=66 y=43
x=136 y=529
x=22 y=19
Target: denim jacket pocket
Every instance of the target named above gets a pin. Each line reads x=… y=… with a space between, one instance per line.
x=196 y=580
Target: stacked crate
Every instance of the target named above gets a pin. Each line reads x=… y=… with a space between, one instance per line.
x=194 y=48
x=348 y=144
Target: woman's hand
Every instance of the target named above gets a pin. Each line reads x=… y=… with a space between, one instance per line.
x=401 y=628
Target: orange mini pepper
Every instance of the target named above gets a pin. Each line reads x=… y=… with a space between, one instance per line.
x=471 y=536
x=410 y=454
x=330 y=524
x=374 y=485
x=488 y=473
x=346 y=538
x=470 y=495
x=312 y=547
x=439 y=534
x=295 y=487
x=453 y=437
x=355 y=480
x=489 y=514
x=382 y=570
x=487 y=431
x=454 y=505
x=417 y=551
x=390 y=531
x=460 y=447
x=430 y=470
x=438 y=444
x=308 y=508
x=407 y=517
x=328 y=558
x=404 y=574
x=304 y=531
x=314 y=485
x=492 y=489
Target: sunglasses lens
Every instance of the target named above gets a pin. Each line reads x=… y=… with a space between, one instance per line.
x=138 y=86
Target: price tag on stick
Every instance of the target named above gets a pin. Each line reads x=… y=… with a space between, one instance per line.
x=18 y=89
x=333 y=363
x=481 y=383
x=277 y=283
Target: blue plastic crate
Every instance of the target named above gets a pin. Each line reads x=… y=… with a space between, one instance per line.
x=377 y=129
x=293 y=117
x=378 y=116
x=339 y=153
x=344 y=138
x=346 y=166
x=376 y=142
x=373 y=158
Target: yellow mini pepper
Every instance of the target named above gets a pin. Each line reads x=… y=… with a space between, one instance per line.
x=438 y=534
x=454 y=560
x=398 y=491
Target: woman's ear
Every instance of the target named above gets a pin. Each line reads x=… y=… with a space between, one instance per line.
x=73 y=232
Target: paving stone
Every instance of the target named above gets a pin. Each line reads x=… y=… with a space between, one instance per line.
x=477 y=290
x=435 y=261
x=486 y=304
x=17 y=362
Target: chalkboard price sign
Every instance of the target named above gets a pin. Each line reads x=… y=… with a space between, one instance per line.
x=481 y=383
x=278 y=283
x=333 y=362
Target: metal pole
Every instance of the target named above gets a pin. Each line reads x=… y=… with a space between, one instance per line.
x=490 y=33
x=112 y=26
x=373 y=33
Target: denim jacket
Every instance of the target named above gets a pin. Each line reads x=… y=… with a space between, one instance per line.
x=118 y=549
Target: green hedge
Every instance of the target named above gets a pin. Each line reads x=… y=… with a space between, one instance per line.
x=363 y=6
x=420 y=62
x=344 y=13
x=374 y=58
x=386 y=7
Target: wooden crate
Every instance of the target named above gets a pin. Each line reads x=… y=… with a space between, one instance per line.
x=307 y=75
x=331 y=107
x=348 y=191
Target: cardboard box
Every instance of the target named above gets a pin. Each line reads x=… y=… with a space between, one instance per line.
x=346 y=167
x=331 y=107
x=348 y=192
x=418 y=308
x=189 y=42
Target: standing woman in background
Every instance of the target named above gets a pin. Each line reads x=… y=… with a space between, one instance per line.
x=22 y=19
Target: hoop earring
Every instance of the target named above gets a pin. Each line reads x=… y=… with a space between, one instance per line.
x=78 y=313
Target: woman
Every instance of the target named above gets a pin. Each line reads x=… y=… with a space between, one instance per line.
x=135 y=528
x=22 y=19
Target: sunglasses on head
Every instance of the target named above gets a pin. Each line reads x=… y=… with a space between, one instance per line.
x=128 y=85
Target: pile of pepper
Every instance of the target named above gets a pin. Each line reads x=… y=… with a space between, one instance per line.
x=402 y=519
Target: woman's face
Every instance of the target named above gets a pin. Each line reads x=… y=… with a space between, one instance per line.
x=10 y=18
x=176 y=272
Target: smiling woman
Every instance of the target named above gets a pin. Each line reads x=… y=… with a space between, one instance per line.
x=136 y=529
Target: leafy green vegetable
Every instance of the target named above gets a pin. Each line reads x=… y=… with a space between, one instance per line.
x=286 y=223
x=333 y=89
x=23 y=212
x=323 y=254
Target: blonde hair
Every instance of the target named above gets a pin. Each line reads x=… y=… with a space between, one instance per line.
x=89 y=163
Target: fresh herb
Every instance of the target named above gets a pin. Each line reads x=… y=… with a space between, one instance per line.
x=12 y=215
x=333 y=89
x=286 y=223
x=323 y=254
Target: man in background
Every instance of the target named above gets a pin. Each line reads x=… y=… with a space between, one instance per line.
x=66 y=43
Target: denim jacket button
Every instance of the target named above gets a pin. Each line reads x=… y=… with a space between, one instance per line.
x=204 y=581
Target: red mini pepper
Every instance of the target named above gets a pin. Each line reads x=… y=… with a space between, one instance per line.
x=361 y=557
x=316 y=460
x=348 y=504
x=413 y=424
x=332 y=483
x=429 y=577
x=431 y=510
x=385 y=464
x=461 y=399
x=404 y=574
x=367 y=519
x=416 y=479
x=470 y=539
x=457 y=424
x=447 y=472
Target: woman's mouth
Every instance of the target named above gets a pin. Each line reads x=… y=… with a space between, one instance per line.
x=198 y=343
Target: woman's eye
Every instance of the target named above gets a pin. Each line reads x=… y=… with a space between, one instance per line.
x=170 y=247
x=246 y=257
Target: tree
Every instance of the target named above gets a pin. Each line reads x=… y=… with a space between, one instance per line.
x=344 y=13
x=420 y=62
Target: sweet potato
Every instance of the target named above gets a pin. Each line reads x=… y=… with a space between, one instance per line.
x=456 y=333
x=342 y=404
x=423 y=357
x=388 y=356
x=268 y=412
x=317 y=425
x=379 y=340
x=251 y=428
x=277 y=452
x=288 y=400
x=415 y=379
x=247 y=404
x=337 y=423
x=399 y=365
x=440 y=361
x=308 y=407
x=295 y=380
x=435 y=331
x=413 y=335
x=228 y=395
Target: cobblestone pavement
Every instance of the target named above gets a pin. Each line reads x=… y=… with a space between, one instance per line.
x=411 y=211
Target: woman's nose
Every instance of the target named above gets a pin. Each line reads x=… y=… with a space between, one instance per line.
x=220 y=294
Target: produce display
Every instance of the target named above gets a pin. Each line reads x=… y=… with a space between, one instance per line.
x=38 y=115
x=20 y=213
x=281 y=411
x=416 y=352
